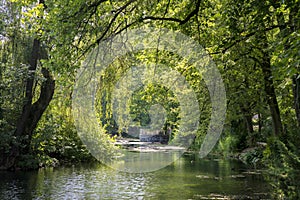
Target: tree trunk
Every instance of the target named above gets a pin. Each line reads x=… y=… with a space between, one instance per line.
x=291 y=26
x=248 y=119
x=294 y=26
x=31 y=113
x=29 y=88
x=249 y=124
x=1 y=100
x=296 y=94
x=39 y=107
x=271 y=95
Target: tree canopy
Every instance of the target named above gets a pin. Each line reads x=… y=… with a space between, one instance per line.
x=254 y=44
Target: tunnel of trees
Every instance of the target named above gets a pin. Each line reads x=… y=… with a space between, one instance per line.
x=255 y=45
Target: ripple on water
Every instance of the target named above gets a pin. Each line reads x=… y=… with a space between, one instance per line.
x=181 y=180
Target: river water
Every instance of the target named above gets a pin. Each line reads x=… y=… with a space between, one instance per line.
x=187 y=178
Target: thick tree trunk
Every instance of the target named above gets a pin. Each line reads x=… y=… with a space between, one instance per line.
x=31 y=113
x=294 y=26
x=291 y=26
x=271 y=95
x=38 y=108
x=249 y=123
x=296 y=94
x=29 y=88
x=1 y=100
x=248 y=119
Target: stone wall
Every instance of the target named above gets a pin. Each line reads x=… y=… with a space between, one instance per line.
x=147 y=135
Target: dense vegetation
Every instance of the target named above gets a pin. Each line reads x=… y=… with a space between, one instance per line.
x=255 y=45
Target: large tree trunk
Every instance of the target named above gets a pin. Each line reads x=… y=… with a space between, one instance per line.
x=286 y=29
x=271 y=95
x=29 y=88
x=1 y=101
x=296 y=94
x=293 y=27
x=31 y=112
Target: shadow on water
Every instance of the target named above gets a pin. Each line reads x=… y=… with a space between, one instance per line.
x=187 y=178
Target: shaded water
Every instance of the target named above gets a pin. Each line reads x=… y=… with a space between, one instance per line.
x=187 y=178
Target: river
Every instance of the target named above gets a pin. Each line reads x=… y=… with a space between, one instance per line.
x=187 y=178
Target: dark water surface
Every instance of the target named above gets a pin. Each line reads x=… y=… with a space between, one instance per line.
x=187 y=178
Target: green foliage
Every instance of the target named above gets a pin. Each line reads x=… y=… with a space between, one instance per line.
x=56 y=138
x=227 y=145
x=283 y=162
x=28 y=162
x=13 y=71
x=252 y=156
x=154 y=94
x=241 y=37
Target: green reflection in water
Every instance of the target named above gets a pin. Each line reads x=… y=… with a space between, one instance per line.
x=187 y=178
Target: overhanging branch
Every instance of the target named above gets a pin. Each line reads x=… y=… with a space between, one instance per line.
x=180 y=21
x=243 y=38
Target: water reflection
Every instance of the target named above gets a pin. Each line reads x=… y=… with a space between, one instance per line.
x=139 y=162
x=188 y=178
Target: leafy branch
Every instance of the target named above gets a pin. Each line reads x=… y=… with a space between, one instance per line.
x=180 y=21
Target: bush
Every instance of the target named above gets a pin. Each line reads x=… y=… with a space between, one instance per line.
x=227 y=145
x=252 y=156
x=56 y=139
x=283 y=162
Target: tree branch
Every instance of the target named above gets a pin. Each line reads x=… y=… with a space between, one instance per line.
x=101 y=38
x=181 y=22
x=84 y=9
x=245 y=38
